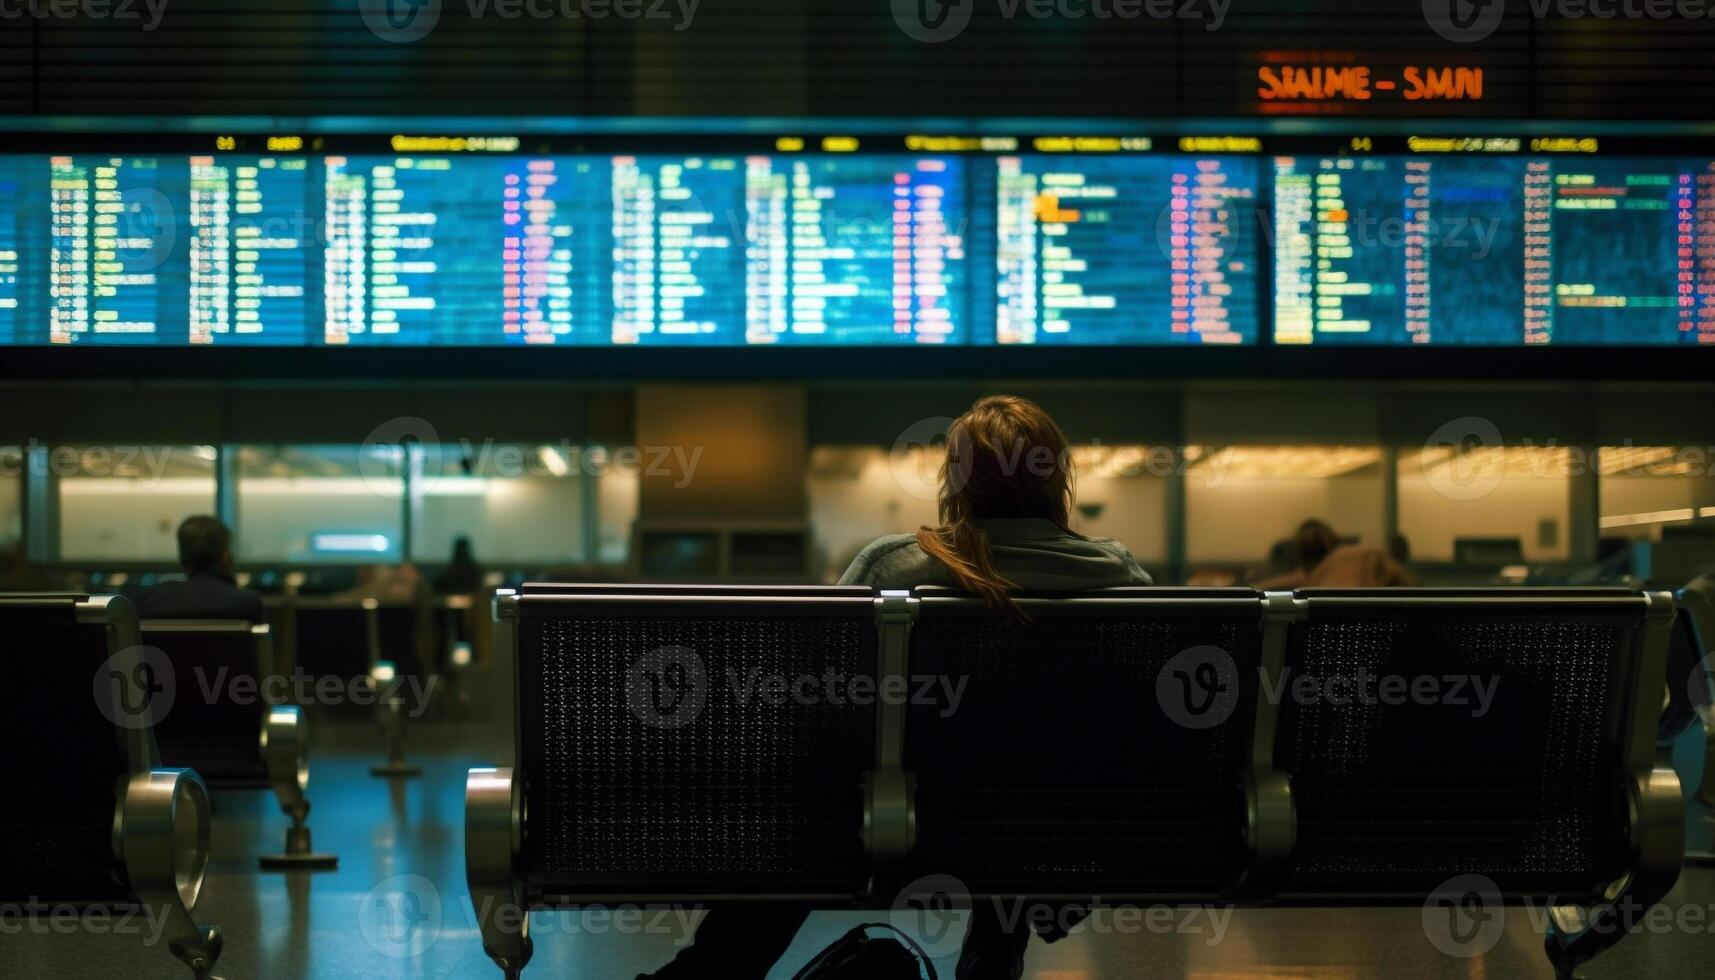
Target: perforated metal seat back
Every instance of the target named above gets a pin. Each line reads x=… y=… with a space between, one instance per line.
x=332 y=641
x=216 y=719
x=659 y=754
x=1073 y=761
x=1489 y=742
x=67 y=762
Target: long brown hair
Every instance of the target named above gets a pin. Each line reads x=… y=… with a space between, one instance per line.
x=1005 y=459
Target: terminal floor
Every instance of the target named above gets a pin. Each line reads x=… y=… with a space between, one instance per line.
x=405 y=838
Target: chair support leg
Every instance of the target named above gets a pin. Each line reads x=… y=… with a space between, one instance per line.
x=491 y=846
x=1577 y=934
x=284 y=749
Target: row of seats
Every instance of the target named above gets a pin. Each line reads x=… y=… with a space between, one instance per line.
x=1135 y=744
x=123 y=747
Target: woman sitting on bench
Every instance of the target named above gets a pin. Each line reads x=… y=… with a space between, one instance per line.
x=1006 y=502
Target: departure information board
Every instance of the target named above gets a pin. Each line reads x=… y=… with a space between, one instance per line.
x=720 y=240
x=1120 y=250
x=1517 y=250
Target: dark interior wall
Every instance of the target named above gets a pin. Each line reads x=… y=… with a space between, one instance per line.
x=856 y=414
x=819 y=57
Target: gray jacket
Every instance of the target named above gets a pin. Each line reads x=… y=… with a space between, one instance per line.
x=1032 y=553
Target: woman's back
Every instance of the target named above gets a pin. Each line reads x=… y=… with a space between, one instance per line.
x=1033 y=554
x=1006 y=501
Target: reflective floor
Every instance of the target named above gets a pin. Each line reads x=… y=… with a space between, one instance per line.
x=396 y=908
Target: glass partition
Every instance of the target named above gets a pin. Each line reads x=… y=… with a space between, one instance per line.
x=1242 y=502
x=1486 y=505
x=1650 y=489
x=321 y=504
x=11 y=498
x=518 y=504
x=124 y=503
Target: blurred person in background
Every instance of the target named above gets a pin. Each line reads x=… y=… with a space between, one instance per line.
x=462 y=574
x=208 y=590
x=1320 y=560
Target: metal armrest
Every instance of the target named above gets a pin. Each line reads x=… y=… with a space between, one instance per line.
x=162 y=839
x=1577 y=934
x=1706 y=783
x=286 y=754
x=493 y=835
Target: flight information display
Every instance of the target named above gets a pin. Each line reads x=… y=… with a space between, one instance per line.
x=484 y=250
x=618 y=240
x=1125 y=250
x=1514 y=250
x=462 y=250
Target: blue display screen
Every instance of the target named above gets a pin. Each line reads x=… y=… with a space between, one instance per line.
x=1494 y=250
x=620 y=249
x=743 y=248
x=1121 y=250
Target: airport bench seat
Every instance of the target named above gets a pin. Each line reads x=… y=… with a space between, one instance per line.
x=229 y=720
x=98 y=821
x=1140 y=745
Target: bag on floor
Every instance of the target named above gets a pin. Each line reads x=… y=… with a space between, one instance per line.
x=857 y=955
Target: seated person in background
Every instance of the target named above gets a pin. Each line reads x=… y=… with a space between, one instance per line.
x=208 y=590
x=1323 y=561
x=1006 y=503
x=398 y=584
x=462 y=574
